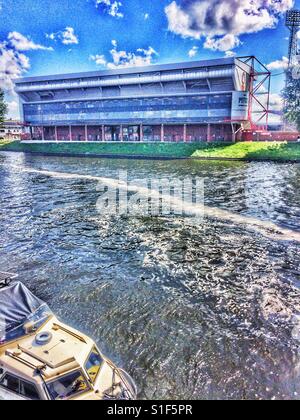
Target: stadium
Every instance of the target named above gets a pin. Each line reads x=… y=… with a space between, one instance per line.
x=213 y=100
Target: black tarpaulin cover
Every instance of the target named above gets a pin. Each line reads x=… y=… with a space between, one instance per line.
x=17 y=306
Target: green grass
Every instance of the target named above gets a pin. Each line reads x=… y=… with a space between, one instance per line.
x=168 y=150
x=257 y=150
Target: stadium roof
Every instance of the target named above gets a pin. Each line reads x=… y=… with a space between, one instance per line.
x=134 y=70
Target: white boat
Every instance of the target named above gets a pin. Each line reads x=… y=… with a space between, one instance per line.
x=43 y=359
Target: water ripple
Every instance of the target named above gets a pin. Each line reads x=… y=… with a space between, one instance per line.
x=191 y=310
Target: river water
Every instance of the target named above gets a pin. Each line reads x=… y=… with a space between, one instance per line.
x=195 y=309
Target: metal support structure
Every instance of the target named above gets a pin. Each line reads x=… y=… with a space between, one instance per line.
x=293 y=24
x=162 y=133
x=43 y=136
x=184 y=133
x=70 y=133
x=121 y=133
x=259 y=91
x=208 y=132
x=293 y=46
x=103 y=133
x=208 y=84
x=86 y=132
x=235 y=132
x=141 y=133
x=55 y=133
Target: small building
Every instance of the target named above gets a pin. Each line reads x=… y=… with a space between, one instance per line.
x=183 y=102
x=12 y=130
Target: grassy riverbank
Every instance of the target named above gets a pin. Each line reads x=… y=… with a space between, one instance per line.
x=159 y=150
x=255 y=150
x=246 y=151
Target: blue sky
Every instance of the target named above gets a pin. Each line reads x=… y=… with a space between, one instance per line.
x=54 y=36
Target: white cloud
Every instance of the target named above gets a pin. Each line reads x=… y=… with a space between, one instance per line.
x=120 y=59
x=230 y=54
x=99 y=59
x=276 y=102
x=223 y=18
x=13 y=110
x=67 y=36
x=13 y=106
x=23 y=43
x=226 y=43
x=51 y=36
x=140 y=58
x=112 y=7
x=146 y=16
x=13 y=64
x=193 y=52
x=279 y=64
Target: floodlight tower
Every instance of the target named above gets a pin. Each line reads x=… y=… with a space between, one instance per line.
x=293 y=23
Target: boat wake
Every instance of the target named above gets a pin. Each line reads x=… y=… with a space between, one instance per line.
x=266 y=228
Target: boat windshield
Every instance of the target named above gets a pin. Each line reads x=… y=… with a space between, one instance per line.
x=93 y=364
x=68 y=386
x=32 y=323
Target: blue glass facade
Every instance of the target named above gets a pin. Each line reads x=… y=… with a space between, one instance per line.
x=142 y=110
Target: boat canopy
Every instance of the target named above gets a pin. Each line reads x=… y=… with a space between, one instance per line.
x=18 y=307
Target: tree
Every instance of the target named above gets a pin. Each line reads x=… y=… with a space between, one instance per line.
x=291 y=95
x=3 y=107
